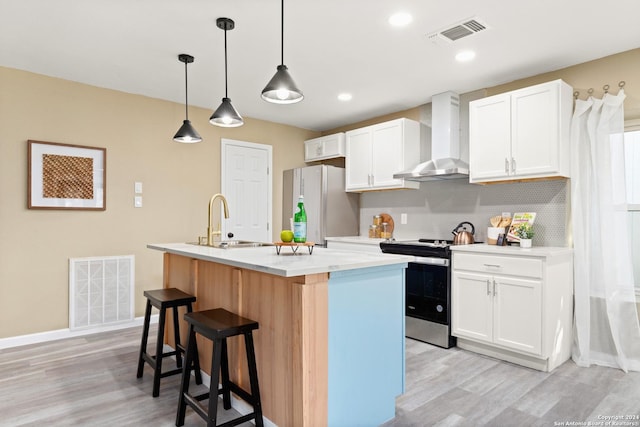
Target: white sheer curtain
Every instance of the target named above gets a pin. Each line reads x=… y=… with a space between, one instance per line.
x=606 y=329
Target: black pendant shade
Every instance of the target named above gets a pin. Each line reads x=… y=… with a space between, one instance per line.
x=281 y=89
x=226 y=115
x=186 y=133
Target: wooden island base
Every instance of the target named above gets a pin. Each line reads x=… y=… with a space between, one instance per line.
x=291 y=343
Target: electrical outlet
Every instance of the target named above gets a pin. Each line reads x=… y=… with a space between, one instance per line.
x=137 y=201
x=137 y=187
x=403 y=218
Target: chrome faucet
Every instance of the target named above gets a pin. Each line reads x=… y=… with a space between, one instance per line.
x=210 y=232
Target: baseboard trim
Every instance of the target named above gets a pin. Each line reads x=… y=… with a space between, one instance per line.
x=60 y=334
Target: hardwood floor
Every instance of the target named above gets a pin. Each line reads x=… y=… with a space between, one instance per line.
x=455 y=387
x=91 y=381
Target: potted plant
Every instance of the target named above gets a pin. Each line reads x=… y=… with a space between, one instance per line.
x=525 y=233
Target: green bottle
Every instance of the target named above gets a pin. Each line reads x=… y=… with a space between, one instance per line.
x=300 y=223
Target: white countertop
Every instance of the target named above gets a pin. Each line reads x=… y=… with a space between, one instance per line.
x=286 y=264
x=542 y=251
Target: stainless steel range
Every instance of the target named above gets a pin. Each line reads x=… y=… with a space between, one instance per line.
x=428 y=289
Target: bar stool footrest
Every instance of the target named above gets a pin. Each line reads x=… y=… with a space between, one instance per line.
x=235 y=388
x=196 y=405
x=172 y=372
x=238 y=420
x=201 y=397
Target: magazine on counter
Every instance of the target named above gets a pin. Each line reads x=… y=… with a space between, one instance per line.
x=519 y=218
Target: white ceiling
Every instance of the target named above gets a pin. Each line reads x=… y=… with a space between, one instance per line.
x=330 y=46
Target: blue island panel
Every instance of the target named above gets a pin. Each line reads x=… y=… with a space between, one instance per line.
x=366 y=345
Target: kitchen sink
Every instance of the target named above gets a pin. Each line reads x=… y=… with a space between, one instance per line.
x=229 y=244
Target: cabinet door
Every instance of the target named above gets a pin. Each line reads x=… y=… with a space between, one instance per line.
x=333 y=145
x=518 y=314
x=387 y=154
x=489 y=138
x=358 y=159
x=472 y=306
x=535 y=130
x=313 y=149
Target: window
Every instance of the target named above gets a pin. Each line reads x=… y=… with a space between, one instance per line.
x=632 y=170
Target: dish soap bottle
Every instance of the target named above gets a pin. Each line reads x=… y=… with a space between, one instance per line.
x=300 y=222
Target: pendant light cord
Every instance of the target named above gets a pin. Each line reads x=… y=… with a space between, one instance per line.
x=186 y=92
x=282 y=32
x=225 y=62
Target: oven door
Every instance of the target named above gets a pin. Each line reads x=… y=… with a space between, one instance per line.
x=427 y=285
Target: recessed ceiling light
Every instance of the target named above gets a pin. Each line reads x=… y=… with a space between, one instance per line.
x=465 y=55
x=400 y=19
x=345 y=97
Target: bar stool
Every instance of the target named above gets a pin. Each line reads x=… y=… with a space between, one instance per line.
x=217 y=325
x=162 y=299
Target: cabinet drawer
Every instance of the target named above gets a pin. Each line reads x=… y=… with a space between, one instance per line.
x=492 y=264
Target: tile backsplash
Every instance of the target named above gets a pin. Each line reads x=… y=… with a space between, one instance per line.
x=438 y=207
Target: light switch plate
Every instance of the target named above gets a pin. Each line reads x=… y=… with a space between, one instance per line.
x=138 y=187
x=137 y=201
x=403 y=218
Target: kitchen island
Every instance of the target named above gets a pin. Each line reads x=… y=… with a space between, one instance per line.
x=330 y=347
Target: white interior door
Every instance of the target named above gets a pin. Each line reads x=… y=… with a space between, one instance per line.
x=246 y=183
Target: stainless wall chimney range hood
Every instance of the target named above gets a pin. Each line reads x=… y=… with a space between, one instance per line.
x=445 y=160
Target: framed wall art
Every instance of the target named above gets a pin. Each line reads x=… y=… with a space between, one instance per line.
x=65 y=176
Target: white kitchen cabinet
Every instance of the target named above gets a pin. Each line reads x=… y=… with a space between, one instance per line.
x=374 y=153
x=499 y=309
x=523 y=134
x=324 y=147
x=514 y=304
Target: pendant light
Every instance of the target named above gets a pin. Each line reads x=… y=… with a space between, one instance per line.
x=281 y=89
x=186 y=133
x=226 y=115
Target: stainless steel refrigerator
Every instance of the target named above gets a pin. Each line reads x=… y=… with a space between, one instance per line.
x=330 y=210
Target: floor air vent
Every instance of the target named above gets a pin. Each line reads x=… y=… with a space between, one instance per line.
x=101 y=291
x=455 y=32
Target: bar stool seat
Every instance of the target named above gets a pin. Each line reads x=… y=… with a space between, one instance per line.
x=218 y=325
x=163 y=299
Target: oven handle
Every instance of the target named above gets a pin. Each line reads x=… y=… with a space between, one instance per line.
x=431 y=261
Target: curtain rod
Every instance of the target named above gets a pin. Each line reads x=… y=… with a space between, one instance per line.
x=621 y=84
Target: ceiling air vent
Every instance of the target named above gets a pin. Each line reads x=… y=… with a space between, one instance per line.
x=455 y=32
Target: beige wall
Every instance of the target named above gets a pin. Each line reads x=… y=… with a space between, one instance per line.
x=178 y=180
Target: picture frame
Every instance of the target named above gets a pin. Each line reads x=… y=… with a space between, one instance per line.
x=66 y=176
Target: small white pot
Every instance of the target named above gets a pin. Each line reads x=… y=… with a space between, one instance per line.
x=525 y=243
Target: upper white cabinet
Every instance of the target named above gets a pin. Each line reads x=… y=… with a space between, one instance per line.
x=522 y=134
x=374 y=153
x=513 y=303
x=324 y=147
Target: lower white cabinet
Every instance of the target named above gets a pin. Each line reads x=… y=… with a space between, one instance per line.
x=514 y=304
x=499 y=309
